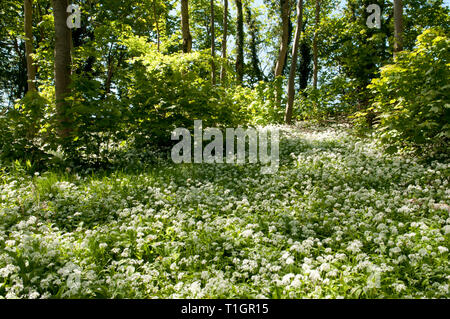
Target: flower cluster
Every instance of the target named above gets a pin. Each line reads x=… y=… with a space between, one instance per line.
x=340 y=219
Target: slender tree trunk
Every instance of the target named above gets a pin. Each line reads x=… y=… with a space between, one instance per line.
x=23 y=87
x=63 y=65
x=304 y=69
x=187 y=37
x=285 y=6
x=223 y=71
x=110 y=72
x=213 y=45
x=240 y=42
x=284 y=45
x=109 y=79
x=158 y=32
x=315 y=50
x=398 y=26
x=251 y=23
x=291 y=82
x=31 y=68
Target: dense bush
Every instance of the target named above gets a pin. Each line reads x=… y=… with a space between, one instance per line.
x=324 y=103
x=170 y=91
x=260 y=104
x=412 y=96
x=153 y=95
x=100 y=124
x=22 y=129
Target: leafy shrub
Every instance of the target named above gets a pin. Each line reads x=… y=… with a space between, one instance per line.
x=152 y=96
x=412 y=96
x=328 y=101
x=21 y=130
x=99 y=124
x=260 y=103
x=170 y=91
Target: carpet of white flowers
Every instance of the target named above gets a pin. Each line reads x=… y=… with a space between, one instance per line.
x=339 y=220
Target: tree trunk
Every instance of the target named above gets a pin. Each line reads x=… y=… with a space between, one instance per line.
x=240 y=43
x=291 y=82
x=223 y=71
x=22 y=69
x=158 y=32
x=63 y=64
x=284 y=45
x=285 y=6
x=315 y=50
x=31 y=68
x=187 y=38
x=251 y=23
x=398 y=26
x=110 y=67
x=213 y=45
x=304 y=69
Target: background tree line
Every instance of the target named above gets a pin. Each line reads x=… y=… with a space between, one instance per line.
x=135 y=70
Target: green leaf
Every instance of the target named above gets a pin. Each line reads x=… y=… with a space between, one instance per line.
x=392 y=149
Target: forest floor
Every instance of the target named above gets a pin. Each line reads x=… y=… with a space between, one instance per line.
x=339 y=219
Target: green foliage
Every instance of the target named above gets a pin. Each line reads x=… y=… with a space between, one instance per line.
x=356 y=50
x=170 y=91
x=21 y=129
x=340 y=219
x=110 y=217
x=131 y=87
x=260 y=103
x=12 y=61
x=412 y=96
x=328 y=101
x=99 y=127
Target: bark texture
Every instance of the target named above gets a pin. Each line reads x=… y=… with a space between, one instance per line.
x=291 y=81
x=185 y=30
